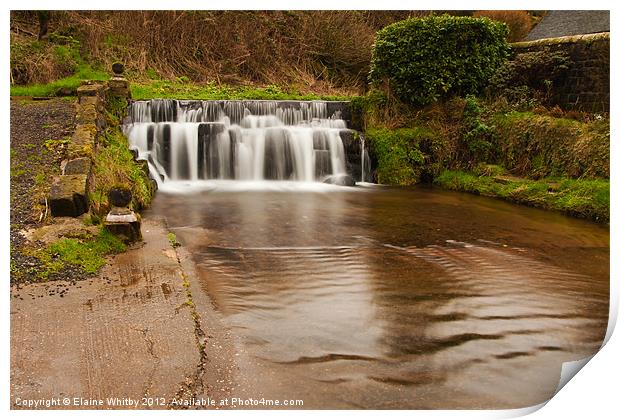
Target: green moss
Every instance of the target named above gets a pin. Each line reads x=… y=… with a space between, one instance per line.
x=54 y=145
x=398 y=153
x=113 y=166
x=88 y=254
x=17 y=171
x=586 y=198
x=172 y=238
x=183 y=89
x=39 y=179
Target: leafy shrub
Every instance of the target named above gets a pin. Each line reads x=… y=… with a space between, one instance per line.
x=424 y=59
x=478 y=137
x=519 y=21
x=530 y=74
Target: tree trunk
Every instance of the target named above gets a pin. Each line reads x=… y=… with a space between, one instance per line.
x=44 y=18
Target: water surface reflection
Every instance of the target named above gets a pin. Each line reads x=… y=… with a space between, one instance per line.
x=397 y=298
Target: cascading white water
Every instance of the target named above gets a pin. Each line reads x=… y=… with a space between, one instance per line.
x=238 y=140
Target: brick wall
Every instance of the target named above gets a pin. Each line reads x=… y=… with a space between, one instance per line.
x=586 y=83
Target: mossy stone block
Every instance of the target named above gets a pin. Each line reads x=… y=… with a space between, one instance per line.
x=78 y=166
x=68 y=195
x=89 y=90
x=84 y=135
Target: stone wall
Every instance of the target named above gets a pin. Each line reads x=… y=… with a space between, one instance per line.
x=585 y=86
x=69 y=191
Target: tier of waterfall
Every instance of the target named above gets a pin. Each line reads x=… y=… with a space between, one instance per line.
x=244 y=140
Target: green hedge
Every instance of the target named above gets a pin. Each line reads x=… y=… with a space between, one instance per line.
x=424 y=59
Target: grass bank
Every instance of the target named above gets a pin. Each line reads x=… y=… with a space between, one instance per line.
x=327 y=52
x=183 y=89
x=67 y=86
x=538 y=156
x=584 y=198
x=178 y=89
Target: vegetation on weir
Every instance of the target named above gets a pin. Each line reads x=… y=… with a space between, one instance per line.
x=182 y=88
x=114 y=167
x=402 y=153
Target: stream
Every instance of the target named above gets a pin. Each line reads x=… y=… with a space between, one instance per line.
x=380 y=297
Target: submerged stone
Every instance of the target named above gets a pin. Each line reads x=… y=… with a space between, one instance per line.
x=344 y=180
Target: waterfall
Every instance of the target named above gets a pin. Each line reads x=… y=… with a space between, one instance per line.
x=243 y=140
x=364 y=160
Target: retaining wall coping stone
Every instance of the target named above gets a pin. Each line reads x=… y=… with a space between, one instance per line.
x=587 y=38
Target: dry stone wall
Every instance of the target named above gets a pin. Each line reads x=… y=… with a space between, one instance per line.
x=69 y=191
x=586 y=84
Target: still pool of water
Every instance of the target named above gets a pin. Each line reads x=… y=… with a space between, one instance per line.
x=376 y=297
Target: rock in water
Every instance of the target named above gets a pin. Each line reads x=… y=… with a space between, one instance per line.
x=344 y=180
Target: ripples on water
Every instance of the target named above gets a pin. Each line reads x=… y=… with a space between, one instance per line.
x=398 y=298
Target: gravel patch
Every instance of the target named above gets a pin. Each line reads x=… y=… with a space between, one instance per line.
x=39 y=130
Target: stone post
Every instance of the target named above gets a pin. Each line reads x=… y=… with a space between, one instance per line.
x=121 y=220
x=118 y=85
